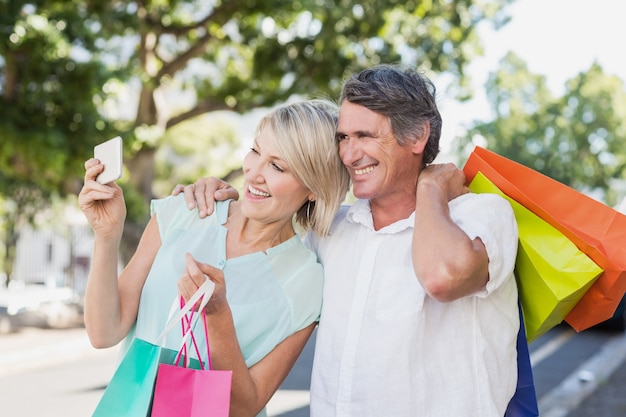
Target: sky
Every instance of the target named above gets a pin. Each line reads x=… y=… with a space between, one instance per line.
x=556 y=38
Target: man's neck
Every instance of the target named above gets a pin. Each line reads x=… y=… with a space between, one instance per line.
x=389 y=210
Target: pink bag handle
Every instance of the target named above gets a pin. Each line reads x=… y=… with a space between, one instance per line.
x=186 y=324
x=183 y=349
x=185 y=314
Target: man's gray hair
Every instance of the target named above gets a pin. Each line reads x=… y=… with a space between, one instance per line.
x=405 y=96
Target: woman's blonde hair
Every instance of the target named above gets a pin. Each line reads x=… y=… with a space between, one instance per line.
x=304 y=135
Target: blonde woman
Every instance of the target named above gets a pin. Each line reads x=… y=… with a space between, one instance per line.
x=268 y=291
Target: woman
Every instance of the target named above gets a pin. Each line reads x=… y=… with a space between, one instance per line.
x=268 y=290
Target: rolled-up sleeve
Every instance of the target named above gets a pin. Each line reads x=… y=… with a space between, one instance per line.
x=490 y=218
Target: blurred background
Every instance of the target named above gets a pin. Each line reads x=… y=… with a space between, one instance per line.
x=185 y=82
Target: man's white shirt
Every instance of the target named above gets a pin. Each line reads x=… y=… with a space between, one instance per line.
x=385 y=348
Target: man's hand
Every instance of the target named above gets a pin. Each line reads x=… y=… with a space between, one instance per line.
x=450 y=265
x=204 y=193
x=447 y=177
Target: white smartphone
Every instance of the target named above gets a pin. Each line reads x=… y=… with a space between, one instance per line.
x=109 y=154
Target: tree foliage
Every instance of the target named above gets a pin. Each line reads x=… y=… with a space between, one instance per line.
x=49 y=118
x=47 y=107
x=577 y=138
x=77 y=72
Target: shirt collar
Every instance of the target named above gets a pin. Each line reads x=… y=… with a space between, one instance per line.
x=361 y=213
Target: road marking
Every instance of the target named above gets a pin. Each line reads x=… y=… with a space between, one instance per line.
x=585 y=379
x=44 y=352
x=287 y=400
x=557 y=402
x=550 y=347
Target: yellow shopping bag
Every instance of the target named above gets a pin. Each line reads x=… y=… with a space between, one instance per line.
x=552 y=273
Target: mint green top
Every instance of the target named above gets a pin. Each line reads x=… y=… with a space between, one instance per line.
x=272 y=295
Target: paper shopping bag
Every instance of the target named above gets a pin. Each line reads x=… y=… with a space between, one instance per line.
x=596 y=229
x=552 y=273
x=524 y=401
x=187 y=392
x=129 y=393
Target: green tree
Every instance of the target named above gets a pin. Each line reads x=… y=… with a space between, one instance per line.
x=48 y=108
x=254 y=54
x=66 y=66
x=577 y=138
x=190 y=150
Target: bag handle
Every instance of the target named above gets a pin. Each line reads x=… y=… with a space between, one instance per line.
x=186 y=314
x=183 y=349
x=189 y=331
x=188 y=317
x=204 y=292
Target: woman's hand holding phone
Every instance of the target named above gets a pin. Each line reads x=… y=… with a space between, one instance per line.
x=109 y=154
x=102 y=203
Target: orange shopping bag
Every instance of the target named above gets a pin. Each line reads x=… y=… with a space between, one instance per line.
x=552 y=274
x=596 y=229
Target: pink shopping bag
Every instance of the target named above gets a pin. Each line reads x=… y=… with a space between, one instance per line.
x=182 y=391
x=187 y=392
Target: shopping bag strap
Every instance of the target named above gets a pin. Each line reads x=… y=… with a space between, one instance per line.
x=203 y=293
x=206 y=339
x=188 y=331
x=185 y=322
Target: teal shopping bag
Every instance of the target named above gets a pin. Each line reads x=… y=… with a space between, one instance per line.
x=129 y=393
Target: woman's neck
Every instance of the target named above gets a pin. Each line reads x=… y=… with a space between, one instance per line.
x=246 y=235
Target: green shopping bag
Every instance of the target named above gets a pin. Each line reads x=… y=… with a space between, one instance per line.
x=552 y=273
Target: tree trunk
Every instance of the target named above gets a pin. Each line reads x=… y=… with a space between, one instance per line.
x=10 y=243
x=141 y=167
x=9 y=90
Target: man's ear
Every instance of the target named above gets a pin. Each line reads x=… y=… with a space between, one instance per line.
x=420 y=141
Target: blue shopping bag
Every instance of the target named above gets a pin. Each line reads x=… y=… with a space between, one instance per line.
x=524 y=401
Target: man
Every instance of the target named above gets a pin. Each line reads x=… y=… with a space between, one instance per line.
x=420 y=310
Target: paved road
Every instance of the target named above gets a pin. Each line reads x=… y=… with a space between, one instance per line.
x=32 y=361
x=594 y=385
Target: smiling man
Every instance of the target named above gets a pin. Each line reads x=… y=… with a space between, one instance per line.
x=420 y=305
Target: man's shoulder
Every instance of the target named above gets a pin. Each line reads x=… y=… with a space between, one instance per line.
x=339 y=224
x=342 y=212
x=483 y=202
x=341 y=216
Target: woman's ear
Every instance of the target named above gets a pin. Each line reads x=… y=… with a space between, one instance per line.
x=420 y=141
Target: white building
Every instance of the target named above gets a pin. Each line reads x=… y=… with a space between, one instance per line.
x=56 y=256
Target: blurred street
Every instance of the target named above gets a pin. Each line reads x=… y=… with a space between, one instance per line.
x=56 y=373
